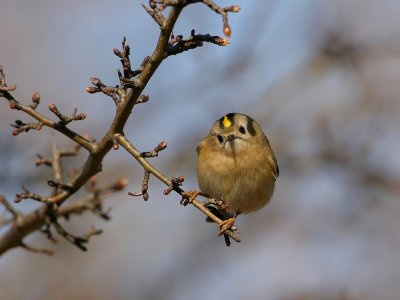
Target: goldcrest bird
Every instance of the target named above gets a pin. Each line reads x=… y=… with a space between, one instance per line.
x=236 y=164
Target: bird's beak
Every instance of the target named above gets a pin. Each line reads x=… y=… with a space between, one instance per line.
x=230 y=139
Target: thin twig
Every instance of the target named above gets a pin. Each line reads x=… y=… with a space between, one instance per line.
x=64 y=119
x=179 y=45
x=7 y=205
x=145 y=187
x=154 y=153
x=37 y=250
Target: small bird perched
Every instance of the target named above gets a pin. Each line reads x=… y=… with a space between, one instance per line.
x=236 y=164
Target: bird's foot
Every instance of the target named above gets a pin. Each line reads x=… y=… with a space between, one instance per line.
x=220 y=204
x=188 y=197
x=226 y=225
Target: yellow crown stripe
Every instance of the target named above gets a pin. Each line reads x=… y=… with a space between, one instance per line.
x=226 y=122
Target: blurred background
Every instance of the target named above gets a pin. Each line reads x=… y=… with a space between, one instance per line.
x=321 y=77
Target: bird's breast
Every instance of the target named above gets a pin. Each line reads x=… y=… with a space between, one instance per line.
x=245 y=181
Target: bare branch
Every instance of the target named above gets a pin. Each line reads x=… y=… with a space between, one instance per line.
x=179 y=45
x=224 y=14
x=41 y=160
x=25 y=127
x=78 y=241
x=4 y=89
x=64 y=120
x=154 y=153
x=30 y=110
x=35 y=220
x=155 y=13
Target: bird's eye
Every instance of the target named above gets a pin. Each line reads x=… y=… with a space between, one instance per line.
x=220 y=139
x=242 y=129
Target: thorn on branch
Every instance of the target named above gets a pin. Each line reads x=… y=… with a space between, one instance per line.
x=145 y=187
x=161 y=146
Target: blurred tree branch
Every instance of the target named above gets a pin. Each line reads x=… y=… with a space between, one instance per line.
x=125 y=96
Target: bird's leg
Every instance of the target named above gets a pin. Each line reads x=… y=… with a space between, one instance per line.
x=210 y=201
x=220 y=204
x=220 y=209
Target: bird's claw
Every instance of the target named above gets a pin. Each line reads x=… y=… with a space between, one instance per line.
x=226 y=225
x=188 y=197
